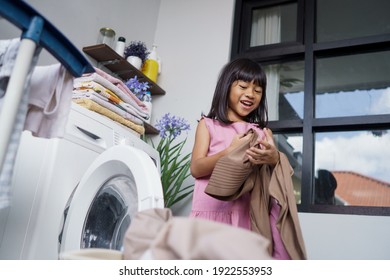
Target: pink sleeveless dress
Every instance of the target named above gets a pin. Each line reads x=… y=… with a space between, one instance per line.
x=235 y=212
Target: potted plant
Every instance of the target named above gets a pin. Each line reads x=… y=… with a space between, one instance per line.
x=175 y=167
x=136 y=53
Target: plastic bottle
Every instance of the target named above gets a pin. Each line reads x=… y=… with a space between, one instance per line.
x=147 y=99
x=120 y=46
x=151 y=67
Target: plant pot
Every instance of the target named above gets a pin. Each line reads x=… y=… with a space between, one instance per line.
x=135 y=61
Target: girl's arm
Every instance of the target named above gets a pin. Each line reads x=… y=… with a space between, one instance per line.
x=201 y=164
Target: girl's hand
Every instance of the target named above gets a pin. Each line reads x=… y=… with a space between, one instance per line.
x=237 y=140
x=266 y=152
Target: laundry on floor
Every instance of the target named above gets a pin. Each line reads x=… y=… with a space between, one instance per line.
x=180 y=238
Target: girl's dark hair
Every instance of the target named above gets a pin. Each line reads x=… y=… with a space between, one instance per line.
x=246 y=70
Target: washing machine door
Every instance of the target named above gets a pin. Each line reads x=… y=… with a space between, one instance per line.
x=120 y=182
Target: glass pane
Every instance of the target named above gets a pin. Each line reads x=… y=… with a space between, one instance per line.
x=273 y=25
x=285 y=90
x=110 y=214
x=352 y=168
x=351 y=19
x=291 y=145
x=353 y=85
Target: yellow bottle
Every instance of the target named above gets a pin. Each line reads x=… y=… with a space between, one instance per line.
x=151 y=66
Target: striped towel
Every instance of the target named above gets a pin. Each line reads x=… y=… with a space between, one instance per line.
x=8 y=52
x=93 y=106
x=131 y=100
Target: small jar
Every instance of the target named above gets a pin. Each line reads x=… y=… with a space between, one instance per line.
x=106 y=36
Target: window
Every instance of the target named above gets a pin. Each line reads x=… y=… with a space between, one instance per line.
x=353 y=85
x=291 y=145
x=352 y=19
x=328 y=94
x=273 y=25
x=351 y=168
x=285 y=90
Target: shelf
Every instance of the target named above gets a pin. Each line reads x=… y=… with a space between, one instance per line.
x=108 y=57
x=149 y=129
x=104 y=55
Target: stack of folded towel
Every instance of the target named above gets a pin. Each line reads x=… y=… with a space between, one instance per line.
x=109 y=96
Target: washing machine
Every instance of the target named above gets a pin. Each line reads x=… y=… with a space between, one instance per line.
x=79 y=191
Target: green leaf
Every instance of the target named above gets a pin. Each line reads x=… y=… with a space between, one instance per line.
x=174 y=166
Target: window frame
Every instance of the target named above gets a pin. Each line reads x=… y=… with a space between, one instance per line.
x=307 y=49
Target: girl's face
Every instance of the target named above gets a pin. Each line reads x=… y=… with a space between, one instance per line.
x=244 y=98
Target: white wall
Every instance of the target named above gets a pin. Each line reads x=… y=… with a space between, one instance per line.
x=346 y=237
x=194 y=43
x=193 y=39
x=80 y=21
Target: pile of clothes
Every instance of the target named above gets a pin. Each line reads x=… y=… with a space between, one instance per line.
x=109 y=96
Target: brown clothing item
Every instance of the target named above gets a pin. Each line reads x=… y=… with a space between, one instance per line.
x=235 y=175
x=154 y=233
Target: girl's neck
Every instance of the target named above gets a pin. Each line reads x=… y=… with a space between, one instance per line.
x=233 y=117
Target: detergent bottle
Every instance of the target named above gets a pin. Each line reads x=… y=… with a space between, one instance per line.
x=120 y=46
x=151 y=67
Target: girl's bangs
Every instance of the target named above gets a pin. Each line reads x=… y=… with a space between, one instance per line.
x=249 y=75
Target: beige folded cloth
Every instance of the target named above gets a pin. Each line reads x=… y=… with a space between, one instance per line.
x=93 y=106
x=156 y=234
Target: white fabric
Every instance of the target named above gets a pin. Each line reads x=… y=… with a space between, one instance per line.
x=273 y=87
x=8 y=52
x=266 y=27
x=50 y=101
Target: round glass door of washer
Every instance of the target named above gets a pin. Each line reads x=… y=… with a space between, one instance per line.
x=121 y=181
x=110 y=213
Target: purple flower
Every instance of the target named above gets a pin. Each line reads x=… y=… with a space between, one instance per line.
x=138 y=88
x=171 y=126
x=175 y=167
x=137 y=48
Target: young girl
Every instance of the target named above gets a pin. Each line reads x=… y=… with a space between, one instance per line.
x=239 y=104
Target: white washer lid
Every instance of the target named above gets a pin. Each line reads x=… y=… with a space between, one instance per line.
x=122 y=179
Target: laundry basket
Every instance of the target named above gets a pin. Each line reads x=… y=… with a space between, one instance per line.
x=92 y=254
